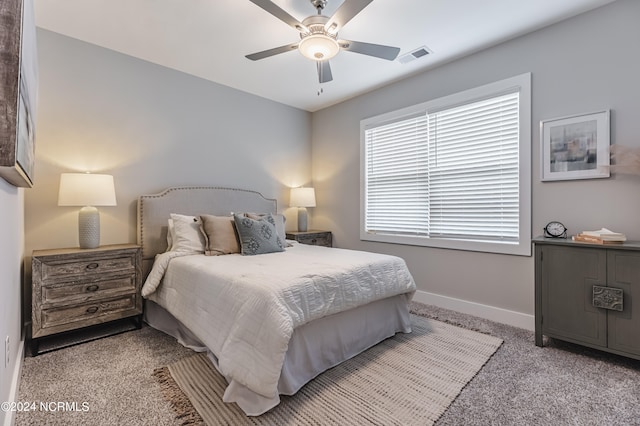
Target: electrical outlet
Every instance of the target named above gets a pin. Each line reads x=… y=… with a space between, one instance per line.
x=6 y=352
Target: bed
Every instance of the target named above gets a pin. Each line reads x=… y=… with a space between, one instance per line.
x=266 y=336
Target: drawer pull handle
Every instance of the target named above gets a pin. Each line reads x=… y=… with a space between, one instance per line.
x=92 y=310
x=608 y=298
x=93 y=287
x=93 y=265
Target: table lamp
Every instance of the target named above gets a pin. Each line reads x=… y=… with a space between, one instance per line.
x=302 y=198
x=87 y=190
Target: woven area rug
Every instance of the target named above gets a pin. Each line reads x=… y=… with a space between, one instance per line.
x=409 y=379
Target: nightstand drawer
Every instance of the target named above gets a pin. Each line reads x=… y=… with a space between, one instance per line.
x=315 y=240
x=87 y=311
x=78 y=292
x=52 y=269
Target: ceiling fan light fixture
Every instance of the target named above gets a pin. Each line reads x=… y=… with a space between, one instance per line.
x=318 y=47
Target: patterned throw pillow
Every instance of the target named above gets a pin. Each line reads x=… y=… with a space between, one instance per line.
x=258 y=236
x=279 y=221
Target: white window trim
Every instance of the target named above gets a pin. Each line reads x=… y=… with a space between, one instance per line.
x=523 y=247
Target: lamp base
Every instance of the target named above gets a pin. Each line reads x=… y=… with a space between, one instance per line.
x=89 y=227
x=302 y=219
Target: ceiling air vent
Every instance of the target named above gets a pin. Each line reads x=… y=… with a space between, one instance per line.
x=418 y=53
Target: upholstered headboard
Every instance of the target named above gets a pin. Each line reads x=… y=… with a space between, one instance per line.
x=154 y=211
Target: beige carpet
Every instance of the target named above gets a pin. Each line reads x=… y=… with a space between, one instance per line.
x=409 y=379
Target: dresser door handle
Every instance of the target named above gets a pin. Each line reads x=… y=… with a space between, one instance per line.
x=93 y=265
x=608 y=298
x=92 y=310
x=93 y=287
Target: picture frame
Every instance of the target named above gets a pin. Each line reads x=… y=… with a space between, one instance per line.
x=575 y=147
x=18 y=91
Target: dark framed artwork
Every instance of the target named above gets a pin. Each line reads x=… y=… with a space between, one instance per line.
x=575 y=147
x=18 y=91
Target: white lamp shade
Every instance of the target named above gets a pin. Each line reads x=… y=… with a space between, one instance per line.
x=302 y=197
x=86 y=189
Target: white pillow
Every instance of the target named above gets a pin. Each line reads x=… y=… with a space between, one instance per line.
x=170 y=232
x=187 y=237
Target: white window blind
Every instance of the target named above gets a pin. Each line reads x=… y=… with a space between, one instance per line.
x=397 y=177
x=473 y=170
x=451 y=173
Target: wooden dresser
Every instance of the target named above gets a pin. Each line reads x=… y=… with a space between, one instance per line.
x=586 y=294
x=314 y=238
x=75 y=288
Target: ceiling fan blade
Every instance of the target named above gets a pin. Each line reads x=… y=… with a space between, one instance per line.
x=378 y=50
x=324 y=71
x=271 y=52
x=279 y=13
x=345 y=13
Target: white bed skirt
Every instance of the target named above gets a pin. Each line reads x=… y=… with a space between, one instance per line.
x=314 y=347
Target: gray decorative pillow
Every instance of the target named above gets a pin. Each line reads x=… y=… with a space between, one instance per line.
x=279 y=220
x=258 y=236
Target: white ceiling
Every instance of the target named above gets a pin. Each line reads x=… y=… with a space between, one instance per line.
x=209 y=38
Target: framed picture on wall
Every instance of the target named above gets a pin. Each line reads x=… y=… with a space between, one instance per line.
x=575 y=147
x=18 y=91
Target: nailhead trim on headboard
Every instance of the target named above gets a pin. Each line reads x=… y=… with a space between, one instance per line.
x=216 y=200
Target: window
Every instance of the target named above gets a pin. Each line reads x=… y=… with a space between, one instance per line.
x=453 y=173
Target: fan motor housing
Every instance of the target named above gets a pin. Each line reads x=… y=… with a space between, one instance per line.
x=315 y=24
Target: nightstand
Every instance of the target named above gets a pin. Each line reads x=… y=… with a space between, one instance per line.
x=314 y=238
x=76 y=288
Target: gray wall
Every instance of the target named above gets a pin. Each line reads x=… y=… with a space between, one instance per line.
x=151 y=128
x=11 y=252
x=585 y=64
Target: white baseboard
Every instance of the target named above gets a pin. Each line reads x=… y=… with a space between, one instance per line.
x=504 y=316
x=10 y=417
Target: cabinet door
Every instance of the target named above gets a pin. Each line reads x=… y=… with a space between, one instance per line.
x=624 y=327
x=568 y=277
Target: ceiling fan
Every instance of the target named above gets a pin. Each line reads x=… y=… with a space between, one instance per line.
x=319 y=35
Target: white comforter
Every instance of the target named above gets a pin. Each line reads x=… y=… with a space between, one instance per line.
x=245 y=308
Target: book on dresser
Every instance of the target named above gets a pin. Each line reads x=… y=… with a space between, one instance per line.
x=601 y=236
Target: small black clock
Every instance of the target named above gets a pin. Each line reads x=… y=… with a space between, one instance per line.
x=555 y=229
